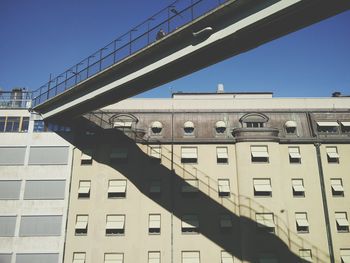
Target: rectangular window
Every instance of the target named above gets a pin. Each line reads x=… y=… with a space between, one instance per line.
x=267 y=258
x=12 y=155
x=114 y=258
x=153 y=257
x=79 y=257
x=190 y=224
x=337 y=187
x=44 y=190
x=259 y=154
x=156 y=152
x=9 y=190
x=302 y=223
x=225 y=221
x=12 y=124
x=190 y=257
x=254 y=124
x=25 y=124
x=84 y=189
x=115 y=225
x=119 y=155
x=221 y=155
x=2 y=124
x=86 y=157
x=345 y=126
x=332 y=154
x=154 y=224
x=224 y=187
x=39 y=126
x=294 y=155
x=305 y=255
x=5 y=258
x=117 y=188
x=81 y=225
x=345 y=255
x=189 y=155
x=226 y=257
x=190 y=186
x=7 y=226
x=48 y=155
x=298 y=187
x=342 y=221
x=265 y=221
x=262 y=187
x=155 y=187
x=327 y=127
x=37 y=258
x=40 y=226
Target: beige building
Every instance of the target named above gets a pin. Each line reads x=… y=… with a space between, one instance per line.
x=222 y=177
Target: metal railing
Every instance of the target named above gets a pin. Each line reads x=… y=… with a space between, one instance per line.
x=169 y=19
x=15 y=100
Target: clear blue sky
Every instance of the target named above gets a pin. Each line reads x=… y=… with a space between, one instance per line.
x=39 y=37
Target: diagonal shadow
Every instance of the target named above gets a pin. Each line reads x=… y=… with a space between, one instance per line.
x=244 y=241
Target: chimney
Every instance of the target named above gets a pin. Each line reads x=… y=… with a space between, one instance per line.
x=220 y=88
x=336 y=94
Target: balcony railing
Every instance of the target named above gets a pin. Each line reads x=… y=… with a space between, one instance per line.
x=167 y=20
x=15 y=100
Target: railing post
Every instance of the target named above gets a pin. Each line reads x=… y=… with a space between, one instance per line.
x=100 y=59
x=130 y=42
x=191 y=10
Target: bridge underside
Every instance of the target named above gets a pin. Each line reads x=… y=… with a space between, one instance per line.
x=231 y=29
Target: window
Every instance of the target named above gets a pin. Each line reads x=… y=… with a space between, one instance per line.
x=40 y=226
x=259 y=154
x=5 y=257
x=189 y=155
x=114 y=258
x=86 y=157
x=81 y=225
x=327 y=127
x=190 y=257
x=115 y=225
x=25 y=124
x=345 y=126
x=254 y=124
x=332 y=154
x=44 y=190
x=190 y=224
x=254 y=120
x=337 y=187
x=2 y=124
x=12 y=124
x=39 y=126
x=48 y=155
x=153 y=257
x=345 y=255
x=294 y=155
x=188 y=128
x=342 y=221
x=9 y=190
x=220 y=127
x=262 y=187
x=305 y=255
x=221 y=155
x=224 y=187
x=7 y=226
x=79 y=257
x=298 y=187
x=291 y=127
x=226 y=257
x=155 y=187
x=84 y=189
x=302 y=223
x=117 y=188
x=190 y=186
x=154 y=224
x=119 y=155
x=225 y=221
x=156 y=152
x=265 y=221
x=12 y=155
x=37 y=257
x=156 y=128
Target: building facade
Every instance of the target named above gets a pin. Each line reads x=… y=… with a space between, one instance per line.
x=223 y=177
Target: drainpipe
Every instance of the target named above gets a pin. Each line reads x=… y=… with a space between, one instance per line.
x=324 y=201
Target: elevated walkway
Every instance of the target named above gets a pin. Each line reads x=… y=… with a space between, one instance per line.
x=198 y=35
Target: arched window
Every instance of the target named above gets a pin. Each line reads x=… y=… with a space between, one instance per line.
x=254 y=120
x=123 y=121
x=188 y=127
x=220 y=127
x=156 y=127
